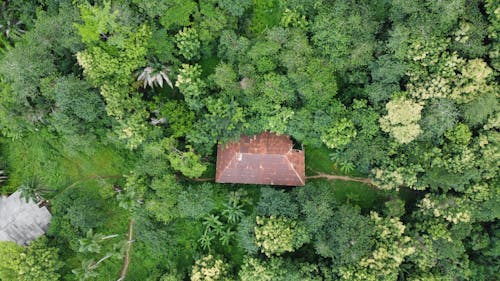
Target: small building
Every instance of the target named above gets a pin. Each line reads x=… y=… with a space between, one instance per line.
x=21 y=221
x=261 y=159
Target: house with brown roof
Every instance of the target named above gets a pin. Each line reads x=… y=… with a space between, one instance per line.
x=266 y=158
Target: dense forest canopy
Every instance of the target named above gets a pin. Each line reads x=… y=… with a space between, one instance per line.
x=110 y=113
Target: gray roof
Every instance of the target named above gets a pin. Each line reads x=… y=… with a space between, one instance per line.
x=21 y=221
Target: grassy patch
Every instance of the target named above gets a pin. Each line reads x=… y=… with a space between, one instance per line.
x=318 y=161
x=41 y=156
x=104 y=162
x=365 y=196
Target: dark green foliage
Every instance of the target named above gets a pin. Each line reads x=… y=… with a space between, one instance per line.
x=346 y=237
x=317 y=205
x=196 y=201
x=440 y=116
x=77 y=210
x=275 y=202
x=340 y=36
x=235 y=7
x=477 y=111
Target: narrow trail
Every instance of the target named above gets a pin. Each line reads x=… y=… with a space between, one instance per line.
x=203 y=179
x=343 y=178
x=126 y=260
x=320 y=176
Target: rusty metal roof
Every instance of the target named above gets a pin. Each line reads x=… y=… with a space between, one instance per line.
x=262 y=159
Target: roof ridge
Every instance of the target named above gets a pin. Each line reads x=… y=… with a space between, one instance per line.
x=293 y=168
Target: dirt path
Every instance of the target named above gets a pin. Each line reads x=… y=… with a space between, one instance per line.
x=126 y=260
x=320 y=176
x=203 y=179
x=343 y=178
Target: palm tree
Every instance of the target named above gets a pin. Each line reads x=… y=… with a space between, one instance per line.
x=88 y=266
x=91 y=242
x=151 y=76
x=233 y=212
x=226 y=236
x=33 y=189
x=206 y=240
x=10 y=27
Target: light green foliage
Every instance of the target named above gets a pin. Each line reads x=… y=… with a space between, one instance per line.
x=266 y=14
x=178 y=118
x=441 y=224
x=393 y=178
x=278 y=235
x=293 y=19
x=452 y=209
x=473 y=81
x=11 y=253
x=493 y=31
x=190 y=85
x=223 y=121
x=163 y=205
x=340 y=134
x=188 y=43
x=226 y=78
x=460 y=134
x=278 y=269
x=98 y=21
x=178 y=13
x=110 y=64
x=209 y=268
x=104 y=66
x=401 y=119
x=36 y=262
x=391 y=248
x=433 y=73
x=187 y=162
